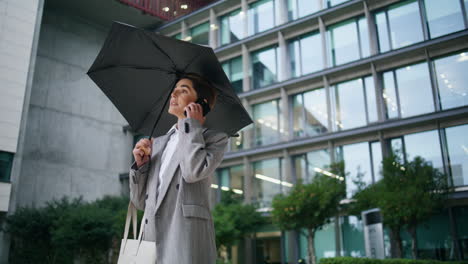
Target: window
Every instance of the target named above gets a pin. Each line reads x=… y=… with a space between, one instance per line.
x=177 y=36
x=233 y=70
x=230 y=179
x=331 y=3
x=232 y=27
x=307 y=165
x=407 y=91
x=264 y=68
x=267 y=122
x=443 y=17
x=267 y=181
x=200 y=34
x=399 y=25
x=348 y=41
x=301 y=8
x=457 y=144
x=261 y=16
x=6 y=162
x=424 y=144
x=306 y=54
x=349 y=103
x=359 y=161
x=238 y=143
x=452 y=80
x=310 y=116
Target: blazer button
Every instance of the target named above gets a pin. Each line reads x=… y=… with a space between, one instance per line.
x=187 y=128
x=146 y=197
x=146 y=221
x=177 y=186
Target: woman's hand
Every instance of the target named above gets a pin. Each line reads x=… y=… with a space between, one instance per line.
x=195 y=111
x=142 y=151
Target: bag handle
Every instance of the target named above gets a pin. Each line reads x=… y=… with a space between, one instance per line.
x=131 y=217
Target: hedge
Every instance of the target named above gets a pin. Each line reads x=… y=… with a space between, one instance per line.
x=351 y=260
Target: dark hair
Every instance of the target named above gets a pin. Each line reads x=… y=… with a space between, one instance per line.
x=203 y=87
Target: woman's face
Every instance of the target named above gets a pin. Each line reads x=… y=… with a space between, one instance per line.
x=182 y=95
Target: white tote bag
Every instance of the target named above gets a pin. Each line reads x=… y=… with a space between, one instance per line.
x=135 y=251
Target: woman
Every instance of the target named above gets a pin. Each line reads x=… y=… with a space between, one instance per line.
x=171 y=181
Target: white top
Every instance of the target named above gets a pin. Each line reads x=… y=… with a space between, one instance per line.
x=168 y=153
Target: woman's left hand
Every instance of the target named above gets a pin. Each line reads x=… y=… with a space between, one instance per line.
x=195 y=111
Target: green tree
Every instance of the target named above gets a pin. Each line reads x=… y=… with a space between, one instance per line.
x=409 y=193
x=233 y=220
x=311 y=206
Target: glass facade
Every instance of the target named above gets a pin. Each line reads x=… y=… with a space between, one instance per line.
x=452 y=81
x=233 y=70
x=267 y=181
x=443 y=17
x=410 y=88
x=307 y=165
x=264 y=68
x=407 y=91
x=267 y=122
x=306 y=54
x=359 y=161
x=261 y=16
x=231 y=27
x=6 y=162
x=349 y=100
x=200 y=34
x=424 y=144
x=457 y=145
x=301 y=8
x=345 y=43
x=231 y=178
x=310 y=116
x=399 y=25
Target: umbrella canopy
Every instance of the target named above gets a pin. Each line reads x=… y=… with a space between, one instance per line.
x=138 y=69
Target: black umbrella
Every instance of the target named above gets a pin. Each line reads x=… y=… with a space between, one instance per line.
x=138 y=69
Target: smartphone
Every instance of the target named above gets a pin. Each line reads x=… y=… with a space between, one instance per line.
x=206 y=108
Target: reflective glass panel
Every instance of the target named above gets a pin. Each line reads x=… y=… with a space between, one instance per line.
x=295 y=58
x=382 y=31
x=200 y=34
x=425 y=144
x=443 y=17
x=231 y=27
x=405 y=24
x=343 y=42
x=376 y=149
x=457 y=144
x=267 y=122
x=414 y=90
x=300 y=8
x=298 y=115
x=349 y=105
x=364 y=37
x=357 y=163
x=452 y=80
x=371 y=99
x=311 y=53
x=316 y=117
x=264 y=67
x=353 y=236
x=261 y=16
x=389 y=94
x=267 y=181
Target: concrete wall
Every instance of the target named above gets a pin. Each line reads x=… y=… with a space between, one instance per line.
x=74 y=143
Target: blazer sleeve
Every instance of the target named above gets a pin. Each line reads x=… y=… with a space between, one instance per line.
x=200 y=158
x=137 y=182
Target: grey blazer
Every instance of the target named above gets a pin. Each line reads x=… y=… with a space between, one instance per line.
x=178 y=218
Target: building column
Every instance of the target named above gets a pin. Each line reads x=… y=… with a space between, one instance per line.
x=246 y=68
x=372 y=32
x=323 y=35
x=378 y=93
x=284 y=69
x=285 y=123
x=244 y=10
x=214 y=29
x=184 y=30
x=282 y=12
x=328 y=96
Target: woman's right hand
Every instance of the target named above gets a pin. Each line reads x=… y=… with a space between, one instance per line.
x=142 y=151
